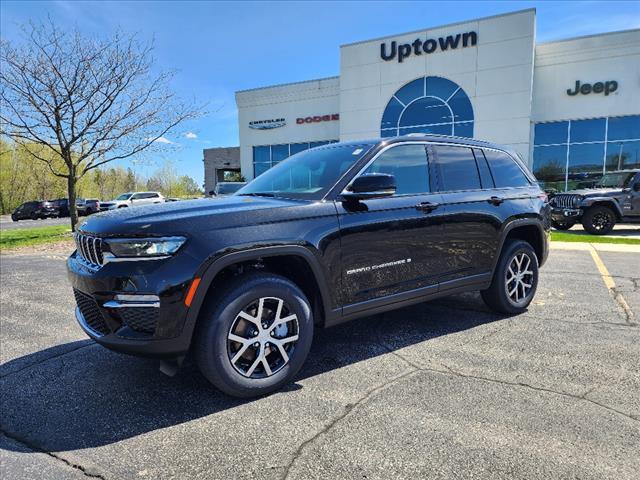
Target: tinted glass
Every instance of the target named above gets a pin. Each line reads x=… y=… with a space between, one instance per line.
x=440 y=87
x=623 y=155
x=436 y=129
x=411 y=91
x=624 y=128
x=391 y=114
x=457 y=168
x=408 y=164
x=298 y=147
x=485 y=174
x=588 y=130
x=260 y=168
x=464 y=129
x=551 y=133
x=306 y=175
x=461 y=106
x=261 y=154
x=506 y=172
x=279 y=153
x=549 y=165
x=426 y=111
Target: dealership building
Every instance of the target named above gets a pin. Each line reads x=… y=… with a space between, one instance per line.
x=570 y=108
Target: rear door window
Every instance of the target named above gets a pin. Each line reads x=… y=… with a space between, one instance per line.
x=505 y=170
x=457 y=168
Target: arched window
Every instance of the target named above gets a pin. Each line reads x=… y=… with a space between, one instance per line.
x=428 y=105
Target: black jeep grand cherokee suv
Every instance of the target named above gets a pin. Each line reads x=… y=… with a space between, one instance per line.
x=333 y=233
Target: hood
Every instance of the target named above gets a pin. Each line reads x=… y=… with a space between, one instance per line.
x=593 y=192
x=184 y=217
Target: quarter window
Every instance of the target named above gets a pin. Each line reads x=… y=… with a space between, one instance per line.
x=457 y=168
x=408 y=164
x=506 y=172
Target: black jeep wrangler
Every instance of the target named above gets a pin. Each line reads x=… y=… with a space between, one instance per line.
x=337 y=232
x=615 y=198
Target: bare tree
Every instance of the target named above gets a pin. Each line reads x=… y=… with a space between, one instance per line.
x=87 y=101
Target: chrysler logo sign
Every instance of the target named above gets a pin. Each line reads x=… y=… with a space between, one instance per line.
x=268 y=124
x=430 y=45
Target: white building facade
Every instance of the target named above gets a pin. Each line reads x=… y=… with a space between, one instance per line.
x=570 y=108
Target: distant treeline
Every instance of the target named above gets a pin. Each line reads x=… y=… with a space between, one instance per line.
x=24 y=178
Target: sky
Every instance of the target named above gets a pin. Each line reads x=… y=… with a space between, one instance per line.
x=218 y=48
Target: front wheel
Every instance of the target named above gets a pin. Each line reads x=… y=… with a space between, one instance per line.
x=562 y=225
x=255 y=336
x=599 y=220
x=515 y=279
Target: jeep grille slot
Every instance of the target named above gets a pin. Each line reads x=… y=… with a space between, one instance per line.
x=564 y=201
x=89 y=249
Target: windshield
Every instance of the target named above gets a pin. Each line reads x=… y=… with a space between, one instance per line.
x=307 y=175
x=124 y=196
x=226 y=188
x=615 y=180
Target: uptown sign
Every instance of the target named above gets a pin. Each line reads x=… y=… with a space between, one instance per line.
x=267 y=124
x=430 y=45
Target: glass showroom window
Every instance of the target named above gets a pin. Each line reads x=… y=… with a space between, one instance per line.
x=574 y=153
x=266 y=156
x=428 y=105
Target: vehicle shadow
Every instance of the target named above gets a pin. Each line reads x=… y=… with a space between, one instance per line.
x=78 y=398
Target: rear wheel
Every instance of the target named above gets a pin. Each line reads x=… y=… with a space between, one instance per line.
x=515 y=279
x=562 y=225
x=599 y=220
x=255 y=336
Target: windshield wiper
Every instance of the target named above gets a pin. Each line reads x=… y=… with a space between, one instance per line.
x=257 y=194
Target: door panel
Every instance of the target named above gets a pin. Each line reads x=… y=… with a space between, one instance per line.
x=392 y=245
x=474 y=212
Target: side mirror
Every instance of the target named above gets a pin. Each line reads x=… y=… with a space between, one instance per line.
x=371 y=185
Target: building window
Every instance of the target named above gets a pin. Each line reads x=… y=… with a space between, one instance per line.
x=428 y=105
x=572 y=153
x=267 y=156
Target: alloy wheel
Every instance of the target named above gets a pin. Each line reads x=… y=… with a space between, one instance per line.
x=262 y=338
x=519 y=278
x=601 y=221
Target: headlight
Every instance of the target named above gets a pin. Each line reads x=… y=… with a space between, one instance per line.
x=577 y=200
x=144 y=247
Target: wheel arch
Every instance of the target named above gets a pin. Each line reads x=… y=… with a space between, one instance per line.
x=529 y=230
x=295 y=262
x=606 y=202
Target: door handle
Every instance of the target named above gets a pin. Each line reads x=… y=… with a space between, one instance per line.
x=427 y=206
x=496 y=200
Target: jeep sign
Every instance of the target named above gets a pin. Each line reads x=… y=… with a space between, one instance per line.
x=430 y=45
x=598 y=87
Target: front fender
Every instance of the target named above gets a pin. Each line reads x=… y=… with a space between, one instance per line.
x=605 y=201
x=216 y=263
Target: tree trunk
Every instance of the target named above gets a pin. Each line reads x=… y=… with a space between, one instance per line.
x=73 y=211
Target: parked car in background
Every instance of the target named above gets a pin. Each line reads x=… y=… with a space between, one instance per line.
x=615 y=198
x=133 y=199
x=224 y=189
x=63 y=205
x=35 y=210
x=88 y=206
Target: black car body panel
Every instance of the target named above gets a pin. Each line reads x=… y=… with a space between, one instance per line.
x=359 y=257
x=35 y=210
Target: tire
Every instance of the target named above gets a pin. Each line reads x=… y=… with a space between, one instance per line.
x=497 y=296
x=599 y=220
x=562 y=225
x=123 y=206
x=215 y=353
x=88 y=211
x=34 y=216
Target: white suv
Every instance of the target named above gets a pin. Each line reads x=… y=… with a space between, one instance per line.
x=133 y=199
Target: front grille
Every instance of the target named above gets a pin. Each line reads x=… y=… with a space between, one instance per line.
x=90 y=249
x=564 y=201
x=141 y=319
x=91 y=312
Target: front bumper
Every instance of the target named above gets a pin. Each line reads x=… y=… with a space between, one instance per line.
x=566 y=214
x=154 y=326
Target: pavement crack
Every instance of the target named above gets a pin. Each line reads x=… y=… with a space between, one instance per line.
x=55 y=456
x=347 y=410
x=622 y=303
x=88 y=343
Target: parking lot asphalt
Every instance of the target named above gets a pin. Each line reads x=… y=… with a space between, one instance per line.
x=7 y=224
x=439 y=390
